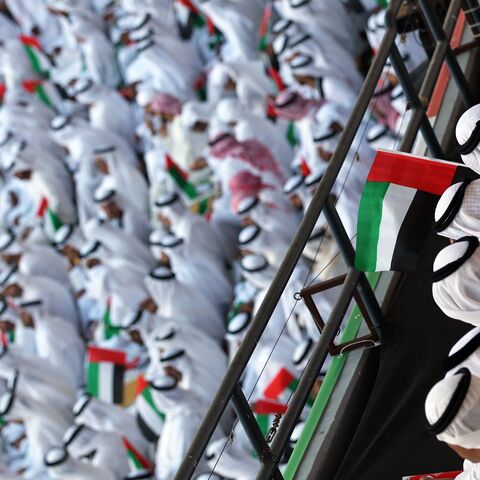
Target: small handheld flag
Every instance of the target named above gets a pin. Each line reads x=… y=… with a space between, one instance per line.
x=396 y=209
x=106 y=369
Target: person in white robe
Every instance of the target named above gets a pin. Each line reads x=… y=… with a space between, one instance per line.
x=61 y=466
x=456 y=213
x=108 y=449
x=455 y=276
x=183 y=303
x=192 y=270
x=451 y=408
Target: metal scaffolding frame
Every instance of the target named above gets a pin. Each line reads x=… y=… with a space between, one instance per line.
x=230 y=389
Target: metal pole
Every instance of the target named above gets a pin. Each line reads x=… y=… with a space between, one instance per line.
x=472 y=9
x=412 y=96
x=364 y=288
x=310 y=374
x=254 y=434
x=431 y=76
x=440 y=36
x=239 y=362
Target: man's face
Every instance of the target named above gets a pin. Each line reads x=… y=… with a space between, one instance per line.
x=13 y=290
x=23 y=175
x=148 y=305
x=112 y=210
x=200 y=127
x=11 y=258
x=305 y=80
x=101 y=165
x=92 y=263
x=164 y=220
x=472 y=454
x=27 y=319
x=296 y=201
x=6 y=326
x=324 y=154
x=71 y=254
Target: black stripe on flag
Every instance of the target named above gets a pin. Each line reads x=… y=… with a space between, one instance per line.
x=414 y=232
x=118 y=376
x=148 y=433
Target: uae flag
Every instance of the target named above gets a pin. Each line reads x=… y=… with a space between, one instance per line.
x=38 y=60
x=149 y=417
x=180 y=177
x=106 y=369
x=283 y=384
x=263 y=31
x=396 y=209
x=136 y=460
x=51 y=221
x=265 y=412
x=445 y=475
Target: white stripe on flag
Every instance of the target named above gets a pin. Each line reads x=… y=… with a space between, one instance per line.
x=105 y=388
x=396 y=203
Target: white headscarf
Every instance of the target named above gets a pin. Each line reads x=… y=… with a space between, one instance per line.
x=104 y=417
x=463 y=131
x=69 y=468
x=182 y=303
x=467 y=219
x=458 y=358
x=464 y=429
x=457 y=294
x=191 y=269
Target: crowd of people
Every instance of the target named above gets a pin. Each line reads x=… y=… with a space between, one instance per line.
x=453 y=404
x=156 y=158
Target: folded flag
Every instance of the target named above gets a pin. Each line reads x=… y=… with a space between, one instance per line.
x=446 y=475
x=396 y=209
x=51 y=221
x=136 y=460
x=180 y=177
x=38 y=60
x=263 y=31
x=265 y=412
x=105 y=374
x=149 y=417
x=283 y=384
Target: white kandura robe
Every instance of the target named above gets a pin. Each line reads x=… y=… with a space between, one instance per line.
x=185 y=304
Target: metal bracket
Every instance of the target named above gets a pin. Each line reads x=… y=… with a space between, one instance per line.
x=337 y=349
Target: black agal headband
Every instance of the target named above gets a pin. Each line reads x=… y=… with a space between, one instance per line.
x=471 y=144
x=454 y=404
x=462 y=354
x=452 y=267
x=451 y=211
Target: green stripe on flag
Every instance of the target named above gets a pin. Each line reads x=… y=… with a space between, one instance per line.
x=134 y=461
x=291 y=136
x=93 y=379
x=368 y=227
x=42 y=95
x=33 y=59
x=264 y=423
x=109 y=330
x=147 y=395
x=293 y=386
x=54 y=219
x=187 y=187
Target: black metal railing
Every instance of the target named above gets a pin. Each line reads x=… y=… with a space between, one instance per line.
x=230 y=389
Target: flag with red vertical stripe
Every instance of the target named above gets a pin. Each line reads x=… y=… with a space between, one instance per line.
x=396 y=209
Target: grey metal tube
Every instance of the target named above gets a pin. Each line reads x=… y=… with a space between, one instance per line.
x=364 y=289
x=310 y=374
x=249 y=423
x=412 y=96
x=431 y=76
x=236 y=368
x=440 y=36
